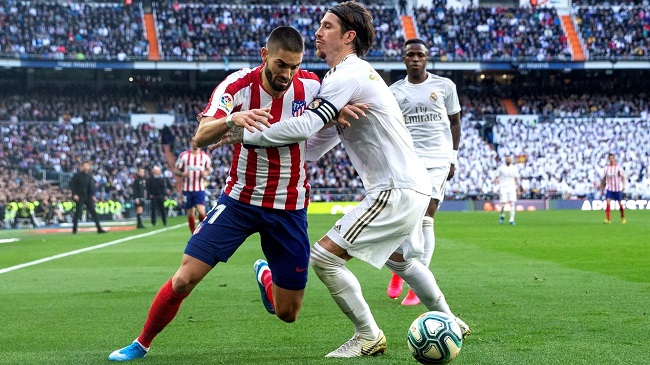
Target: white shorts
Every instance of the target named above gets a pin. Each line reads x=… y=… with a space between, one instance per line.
x=378 y=226
x=508 y=195
x=438 y=177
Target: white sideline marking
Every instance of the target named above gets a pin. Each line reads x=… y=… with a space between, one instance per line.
x=7 y=240
x=81 y=250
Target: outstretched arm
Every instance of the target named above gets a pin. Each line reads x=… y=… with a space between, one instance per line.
x=336 y=91
x=295 y=129
x=212 y=129
x=303 y=131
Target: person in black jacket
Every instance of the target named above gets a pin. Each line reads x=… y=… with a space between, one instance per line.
x=158 y=186
x=139 y=195
x=82 y=186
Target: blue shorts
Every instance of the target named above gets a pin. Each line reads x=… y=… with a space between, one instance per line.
x=193 y=198
x=283 y=235
x=614 y=195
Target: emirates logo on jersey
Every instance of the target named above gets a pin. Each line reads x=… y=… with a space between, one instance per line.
x=298 y=107
x=433 y=96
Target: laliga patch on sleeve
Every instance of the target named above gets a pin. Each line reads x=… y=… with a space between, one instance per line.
x=226 y=103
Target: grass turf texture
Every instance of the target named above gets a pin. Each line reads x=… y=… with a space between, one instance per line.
x=558 y=288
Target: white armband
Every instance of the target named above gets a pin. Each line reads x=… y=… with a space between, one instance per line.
x=454 y=157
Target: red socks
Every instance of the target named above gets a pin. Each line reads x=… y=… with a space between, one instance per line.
x=622 y=211
x=608 y=211
x=201 y=217
x=191 y=222
x=163 y=310
x=267 y=281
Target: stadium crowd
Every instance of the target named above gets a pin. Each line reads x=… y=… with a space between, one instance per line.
x=584 y=105
x=221 y=31
x=618 y=32
x=492 y=34
x=51 y=107
x=77 y=30
x=40 y=107
x=566 y=162
x=115 y=149
x=214 y=31
x=556 y=159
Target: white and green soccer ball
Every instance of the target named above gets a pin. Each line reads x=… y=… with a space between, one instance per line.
x=434 y=338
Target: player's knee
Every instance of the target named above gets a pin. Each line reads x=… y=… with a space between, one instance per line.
x=397 y=266
x=288 y=315
x=322 y=261
x=183 y=284
x=322 y=267
x=287 y=304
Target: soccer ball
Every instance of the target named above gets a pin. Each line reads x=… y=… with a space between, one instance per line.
x=434 y=338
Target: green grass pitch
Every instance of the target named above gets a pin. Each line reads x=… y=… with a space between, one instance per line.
x=560 y=287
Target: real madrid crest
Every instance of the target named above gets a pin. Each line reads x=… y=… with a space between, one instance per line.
x=433 y=97
x=314 y=104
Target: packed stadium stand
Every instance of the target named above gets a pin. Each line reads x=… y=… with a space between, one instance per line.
x=621 y=32
x=492 y=34
x=523 y=92
x=77 y=30
x=215 y=31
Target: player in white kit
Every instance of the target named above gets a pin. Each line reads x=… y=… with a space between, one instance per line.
x=508 y=181
x=431 y=113
x=385 y=227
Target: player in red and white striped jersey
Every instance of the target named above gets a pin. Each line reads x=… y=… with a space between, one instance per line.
x=193 y=165
x=614 y=184
x=266 y=177
x=267 y=191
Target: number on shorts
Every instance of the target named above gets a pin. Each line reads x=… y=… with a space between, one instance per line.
x=217 y=210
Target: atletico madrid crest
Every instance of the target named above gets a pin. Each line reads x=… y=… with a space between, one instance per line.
x=298 y=107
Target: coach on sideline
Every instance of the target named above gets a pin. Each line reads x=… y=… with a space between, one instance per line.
x=82 y=186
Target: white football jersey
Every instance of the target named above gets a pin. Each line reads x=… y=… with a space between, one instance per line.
x=379 y=145
x=426 y=108
x=507 y=175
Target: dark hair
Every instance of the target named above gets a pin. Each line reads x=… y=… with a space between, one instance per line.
x=415 y=41
x=354 y=16
x=285 y=38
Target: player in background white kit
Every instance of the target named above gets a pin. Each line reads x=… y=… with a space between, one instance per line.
x=385 y=227
x=508 y=181
x=431 y=112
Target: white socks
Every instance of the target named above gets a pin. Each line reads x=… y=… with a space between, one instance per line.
x=345 y=290
x=423 y=283
x=429 y=240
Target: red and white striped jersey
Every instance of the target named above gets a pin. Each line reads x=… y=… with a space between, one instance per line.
x=269 y=177
x=614 y=177
x=195 y=165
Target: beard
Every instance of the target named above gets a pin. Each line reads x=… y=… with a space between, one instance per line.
x=320 y=54
x=274 y=86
